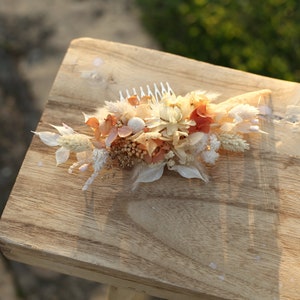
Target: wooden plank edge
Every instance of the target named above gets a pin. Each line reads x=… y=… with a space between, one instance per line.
x=27 y=255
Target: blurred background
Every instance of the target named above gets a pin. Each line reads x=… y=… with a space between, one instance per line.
x=261 y=37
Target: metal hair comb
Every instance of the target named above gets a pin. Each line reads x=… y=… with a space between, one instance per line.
x=157 y=91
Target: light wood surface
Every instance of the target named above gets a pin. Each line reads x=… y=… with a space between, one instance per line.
x=236 y=237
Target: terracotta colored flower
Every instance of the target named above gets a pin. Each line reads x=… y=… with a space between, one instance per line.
x=108 y=124
x=133 y=100
x=94 y=124
x=202 y=120
x=109 y=129
x=101 y=129
x=158 y=154
x=117 y=131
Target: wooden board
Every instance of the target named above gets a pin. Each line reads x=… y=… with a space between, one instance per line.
x=236 y=237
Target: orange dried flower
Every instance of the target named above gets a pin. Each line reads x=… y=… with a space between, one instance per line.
x=133 y=100
x=94 y=124
x=201 y=119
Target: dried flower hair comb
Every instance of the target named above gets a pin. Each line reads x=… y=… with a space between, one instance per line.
x=154 y=129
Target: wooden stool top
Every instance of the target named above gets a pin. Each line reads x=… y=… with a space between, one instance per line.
x=235 y=237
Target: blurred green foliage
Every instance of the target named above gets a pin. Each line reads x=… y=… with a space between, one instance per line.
x=261 y=37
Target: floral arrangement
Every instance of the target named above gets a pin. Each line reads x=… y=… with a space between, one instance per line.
x=153 y=132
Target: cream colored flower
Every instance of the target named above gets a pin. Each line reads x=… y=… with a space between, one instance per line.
x=241 y=118
x=68 y=139
x=168 y=119
x=122 y=110
x=147 y=139
x=188 y=147
x=233 y=142
x=98 y=159
x=210 y=154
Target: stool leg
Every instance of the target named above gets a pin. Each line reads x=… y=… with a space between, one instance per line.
x=118 y=293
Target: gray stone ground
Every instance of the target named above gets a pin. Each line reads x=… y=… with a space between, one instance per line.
x=34 y=35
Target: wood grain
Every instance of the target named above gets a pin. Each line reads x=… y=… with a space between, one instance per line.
x=236 y=237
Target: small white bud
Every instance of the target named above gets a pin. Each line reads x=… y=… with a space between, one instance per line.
x=84 y=167
x=254 y=128
x=136 y=124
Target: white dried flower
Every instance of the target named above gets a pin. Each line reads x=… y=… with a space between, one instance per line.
x=210 y=156
x=68 y=139
x=243 y=112
x=169 y=155
x=170 y=163
x=99 y=158
x=214 y=142
x=121 y=109
x=75 y=142
x=233 y=142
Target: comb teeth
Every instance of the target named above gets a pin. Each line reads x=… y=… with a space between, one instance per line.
x=156 y=92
